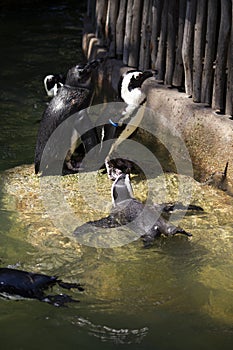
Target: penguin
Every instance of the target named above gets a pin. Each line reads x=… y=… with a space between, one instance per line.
x=74 y=96
x=130 y=91
x=19 y=283
x=130 y=86
x=52 y=83
x=146 y=220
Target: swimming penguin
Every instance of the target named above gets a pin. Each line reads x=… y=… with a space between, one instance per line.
x=52 y=83
x=74 y=96
x=18 y=283
x=130 y=91
x=145 y=220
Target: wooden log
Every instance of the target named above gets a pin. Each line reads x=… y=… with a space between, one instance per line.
x=210 y=48
x=179 y=68
x=120 y=29
x=135 y=34
x=160 y=64
x=128 y=26
x=229 y=98
x=91 y=6
x=143 y=34
x=221 y=59
x=156 y=24
x=147 y=58
x=110 y=27
x=101 y=11
x=171 y=41
x=187 y=47
x=88 y=8
x=144 y=57
x=199 y=36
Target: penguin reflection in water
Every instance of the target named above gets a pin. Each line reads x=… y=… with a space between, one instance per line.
x=69 y=98
x=18 y=284
x=145 y=220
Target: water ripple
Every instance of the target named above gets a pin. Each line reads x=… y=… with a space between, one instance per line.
x=106 y=333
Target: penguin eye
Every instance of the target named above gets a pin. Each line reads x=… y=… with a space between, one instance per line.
x=138 y=77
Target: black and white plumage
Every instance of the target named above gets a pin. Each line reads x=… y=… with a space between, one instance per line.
x=52 y=83
x=146 y=221
x=18 y=283
x=130 y=86
x=74 y=96
x=131 y=92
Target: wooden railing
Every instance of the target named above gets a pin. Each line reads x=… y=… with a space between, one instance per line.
x=189 y=43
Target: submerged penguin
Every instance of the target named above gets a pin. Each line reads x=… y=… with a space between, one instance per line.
x=18 y=283
x=144 y=219
x=74 y=96
x=130 y=91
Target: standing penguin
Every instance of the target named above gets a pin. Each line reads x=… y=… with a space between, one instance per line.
x=130 y=91
x=72 y=97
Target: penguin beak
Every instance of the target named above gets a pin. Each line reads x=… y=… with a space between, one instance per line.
x=145 y=75
x=92 y=65
x=95 y=63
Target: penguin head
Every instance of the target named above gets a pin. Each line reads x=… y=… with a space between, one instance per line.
x=121 y=190
x=52 y=83
x=80 y=75
x=130 y=86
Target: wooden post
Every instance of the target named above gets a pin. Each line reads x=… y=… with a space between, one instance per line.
x=229 y=98
x=146 y=35
x=120 y=29
x=91 y=6
x=101 y=10
x=171 y=41
x=210 y=47
x=179 y=68
x=147 y=58
x=221 y=60
x=135 y=34
x=199 y=36
x=128 y=26
x=156 y=23
x=187 y=47
x=161 y=56
x=110 y=27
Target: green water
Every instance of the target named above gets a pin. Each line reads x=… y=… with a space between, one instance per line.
x=35 y=41
x=176 y=295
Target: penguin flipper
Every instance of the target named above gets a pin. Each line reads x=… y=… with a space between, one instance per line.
x=169 y=207
x=59 y=300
